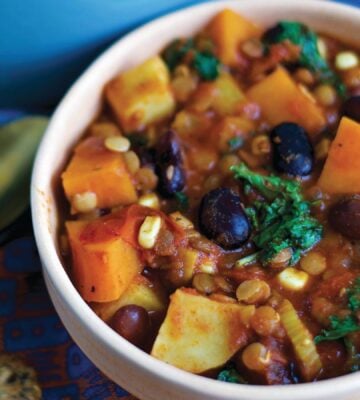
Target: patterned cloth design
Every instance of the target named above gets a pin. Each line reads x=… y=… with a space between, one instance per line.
x=31 y=330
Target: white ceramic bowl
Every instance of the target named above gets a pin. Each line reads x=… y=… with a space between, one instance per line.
x=136 y=371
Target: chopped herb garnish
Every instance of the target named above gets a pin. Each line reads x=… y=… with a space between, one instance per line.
x=175 y=52
x=207 y=65
x=341 y=327
x=204 y=62
x=182 y=200
x=284 y=220
x=230 y=374
x=310 y=57
x=235 y=143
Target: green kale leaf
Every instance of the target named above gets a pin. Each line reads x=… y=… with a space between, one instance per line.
x=204 y=62
x=176 y=51
x=230 y=374
x=341 y=327
x=207 y=65
x=283 y=221
x=310 y=57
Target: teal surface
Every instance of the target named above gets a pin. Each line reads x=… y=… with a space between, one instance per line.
x=46 y=44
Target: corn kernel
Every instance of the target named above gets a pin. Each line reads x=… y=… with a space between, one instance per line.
x=149 y=231
x=119 y=144
x=322 y=47
x=132 y=161
x=150 y=200
x=293 y=279
x=84 y=202
x=208 y=267
x=346 y=60
x=182 y=221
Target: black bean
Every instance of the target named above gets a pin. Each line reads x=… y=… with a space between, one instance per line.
x=292 y=150
x=169 y=165
x=344 y=217
x=222 y=218
x=351 y=108
x=132 y=322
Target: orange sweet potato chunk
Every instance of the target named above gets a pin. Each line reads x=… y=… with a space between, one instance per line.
x=228 y=30
x=102 y=270
x=341 y=172
x=94 y=168
x=282 y=100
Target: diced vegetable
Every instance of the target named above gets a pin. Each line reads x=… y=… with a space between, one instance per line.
x=141 y=95
x=301 y=340
x=228 y=30
x=102 y=269
x=95 y=169
x=282 y=100
x=341 y=172
x=141 y=292
x=199 y=334
x=223 y=95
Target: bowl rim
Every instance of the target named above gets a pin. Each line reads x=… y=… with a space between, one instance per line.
x=70 y=297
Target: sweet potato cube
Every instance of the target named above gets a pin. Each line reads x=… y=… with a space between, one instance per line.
x=94 y=168
x=341 y=172
x=228 y=30
x=199 y=334
x=141 y=95
x=141 y=292
x=282 y=100
x=102 y=270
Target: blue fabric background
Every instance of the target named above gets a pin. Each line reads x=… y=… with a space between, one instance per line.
x=45 y=44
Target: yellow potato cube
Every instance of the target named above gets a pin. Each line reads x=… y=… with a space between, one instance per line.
x=141 y=95
x=199 y=334
x=140 y=292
